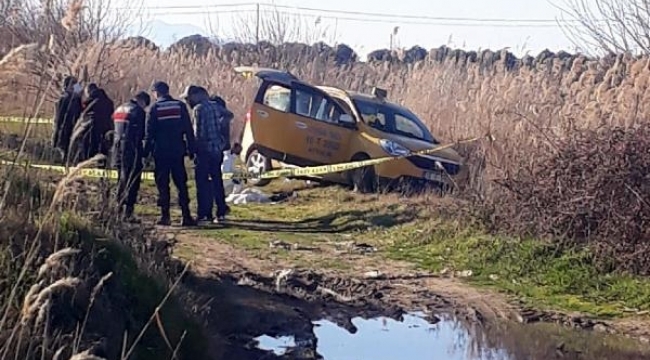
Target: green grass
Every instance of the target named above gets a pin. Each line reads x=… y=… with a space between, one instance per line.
x=528 y=269
x=533 y=270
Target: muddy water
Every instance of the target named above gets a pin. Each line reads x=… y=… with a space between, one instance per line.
x=414 y=337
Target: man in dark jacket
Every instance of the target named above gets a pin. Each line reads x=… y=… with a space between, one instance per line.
x=67 y=112
x=169 y=137
x=98 y=108
x=89 y=134
x=129 y=124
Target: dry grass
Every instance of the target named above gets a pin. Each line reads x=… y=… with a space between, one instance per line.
x=49 y=274
x=534 y=109
x=51 y=277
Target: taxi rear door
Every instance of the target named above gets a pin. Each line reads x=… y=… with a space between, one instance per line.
x=270 y=119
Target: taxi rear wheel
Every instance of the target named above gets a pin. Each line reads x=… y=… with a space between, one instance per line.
x=258 y=163
x=363 y=179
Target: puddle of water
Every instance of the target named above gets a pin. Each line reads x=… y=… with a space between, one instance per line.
x=277 y=345
x=414 y=338
x=384 y=338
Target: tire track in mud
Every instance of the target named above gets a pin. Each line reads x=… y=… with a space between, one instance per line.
x=400 y=288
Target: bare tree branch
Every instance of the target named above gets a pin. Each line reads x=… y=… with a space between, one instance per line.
x=76 y=37
x=278 y=27
x=608 y=26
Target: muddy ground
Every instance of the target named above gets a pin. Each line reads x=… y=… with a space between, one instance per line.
x=241 y=297
x=281 y=287
x=275 y=275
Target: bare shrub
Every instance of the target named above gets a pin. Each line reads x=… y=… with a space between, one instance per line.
x=50 y=260
x=591 y=191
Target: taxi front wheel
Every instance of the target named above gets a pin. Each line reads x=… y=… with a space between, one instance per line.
x=258 y=163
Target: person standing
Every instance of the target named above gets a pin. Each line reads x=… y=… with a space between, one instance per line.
x=67 y=112
x=98 y=108
x=208 y=120
x=230 y=152
x=169 y=137
x=127 y=154
x=89 y=134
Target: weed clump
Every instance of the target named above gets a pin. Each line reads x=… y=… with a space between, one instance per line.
x=591 y=190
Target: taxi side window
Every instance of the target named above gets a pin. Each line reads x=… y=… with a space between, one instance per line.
x=313 y=105
x=406 y=126
x=277 y=97
x=377 y=121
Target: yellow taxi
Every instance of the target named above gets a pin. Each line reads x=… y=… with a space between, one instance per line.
x=295 y=124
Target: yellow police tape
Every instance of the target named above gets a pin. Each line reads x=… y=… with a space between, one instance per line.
x=272 y=174
x=24 y=120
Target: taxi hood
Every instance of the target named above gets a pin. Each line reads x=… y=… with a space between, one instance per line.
x=418 y=145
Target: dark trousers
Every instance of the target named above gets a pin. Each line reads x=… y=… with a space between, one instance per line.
x=128 y=180
x=175 y=167
x=209 y=184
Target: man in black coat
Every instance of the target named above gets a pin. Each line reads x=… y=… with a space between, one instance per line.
x=169 y=136
x=128 y=126
x=99 y=108
x=89 y=134
x=67 y=112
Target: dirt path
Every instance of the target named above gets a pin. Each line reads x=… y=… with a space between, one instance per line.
x=280 y=291
x=362 y=274
x=328 y=245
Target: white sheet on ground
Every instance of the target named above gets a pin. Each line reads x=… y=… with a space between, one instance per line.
x=247 y=196
x=236 y=193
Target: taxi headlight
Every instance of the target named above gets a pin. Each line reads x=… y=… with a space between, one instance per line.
x=393 y=149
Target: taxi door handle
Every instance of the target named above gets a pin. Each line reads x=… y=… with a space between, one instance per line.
x=301 y=125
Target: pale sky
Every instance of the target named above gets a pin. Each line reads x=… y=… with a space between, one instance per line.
x=523 y=26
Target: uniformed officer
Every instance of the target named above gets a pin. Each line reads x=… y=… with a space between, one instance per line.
x=128 y=127
x=169 y=137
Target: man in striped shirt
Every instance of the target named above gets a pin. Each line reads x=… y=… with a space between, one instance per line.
x=169 y=137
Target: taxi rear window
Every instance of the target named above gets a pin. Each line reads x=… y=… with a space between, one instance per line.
x=277 y=97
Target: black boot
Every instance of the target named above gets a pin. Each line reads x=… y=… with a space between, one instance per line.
x=165 y=219
x=128 y=215
x=187 y=217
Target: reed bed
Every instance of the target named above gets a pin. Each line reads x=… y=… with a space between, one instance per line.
x=560 y=111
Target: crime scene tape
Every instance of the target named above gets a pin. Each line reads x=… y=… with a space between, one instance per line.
x=23 y=120
x=272 y=174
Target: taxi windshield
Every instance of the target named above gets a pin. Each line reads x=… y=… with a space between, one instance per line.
x=393 y=119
